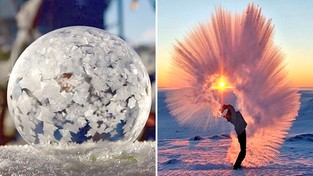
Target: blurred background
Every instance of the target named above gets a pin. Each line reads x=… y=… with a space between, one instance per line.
x=23 y=21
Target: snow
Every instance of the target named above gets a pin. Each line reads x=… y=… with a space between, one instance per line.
x=180 y=154
x=120 y=158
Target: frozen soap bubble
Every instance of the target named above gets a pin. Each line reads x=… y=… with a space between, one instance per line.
x=78 y=85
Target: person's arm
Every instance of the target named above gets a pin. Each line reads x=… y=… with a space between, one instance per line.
x=224 y=106
x=224 y=112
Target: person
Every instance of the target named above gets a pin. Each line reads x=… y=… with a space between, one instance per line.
x=240 y=125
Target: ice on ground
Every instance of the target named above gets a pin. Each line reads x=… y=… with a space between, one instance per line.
x=118 y=158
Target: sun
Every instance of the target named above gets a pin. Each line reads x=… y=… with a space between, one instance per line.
x=221 y=84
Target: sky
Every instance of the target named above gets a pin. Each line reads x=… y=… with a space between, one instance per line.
x=139 y=24
x=293 y=31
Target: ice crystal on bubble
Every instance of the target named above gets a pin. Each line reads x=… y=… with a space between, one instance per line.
x=76 y=85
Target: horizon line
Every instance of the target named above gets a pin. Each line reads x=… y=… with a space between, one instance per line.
x=167 y=88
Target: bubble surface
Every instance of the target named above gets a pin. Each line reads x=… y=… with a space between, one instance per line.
x=77 y=85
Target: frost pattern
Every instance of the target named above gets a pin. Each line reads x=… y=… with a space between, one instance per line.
x=79 y=84
x=240 y=48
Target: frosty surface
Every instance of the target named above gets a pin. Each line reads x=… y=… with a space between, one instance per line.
x=76 y=85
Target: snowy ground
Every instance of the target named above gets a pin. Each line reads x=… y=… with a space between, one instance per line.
x=111 y=159
x=179 y=153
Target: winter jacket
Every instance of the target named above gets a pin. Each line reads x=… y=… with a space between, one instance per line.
x=237 y=120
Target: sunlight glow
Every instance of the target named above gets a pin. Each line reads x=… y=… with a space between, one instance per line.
x=221 y=84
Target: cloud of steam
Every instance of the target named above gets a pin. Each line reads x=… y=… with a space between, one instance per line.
x=239 y=47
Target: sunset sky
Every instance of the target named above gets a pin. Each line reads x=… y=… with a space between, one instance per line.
x=293 y=31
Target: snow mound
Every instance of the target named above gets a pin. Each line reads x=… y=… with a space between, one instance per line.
x=172 y=161
x=301 y=137
x=196 y=138
x=120 y=158
x=220 y=136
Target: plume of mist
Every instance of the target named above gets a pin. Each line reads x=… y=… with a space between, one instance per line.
x=240 y=48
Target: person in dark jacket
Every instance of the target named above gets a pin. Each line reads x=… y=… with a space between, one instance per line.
x=240 y=125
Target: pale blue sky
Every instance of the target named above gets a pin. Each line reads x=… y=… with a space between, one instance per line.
x=139 y=24
x=293 y=31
